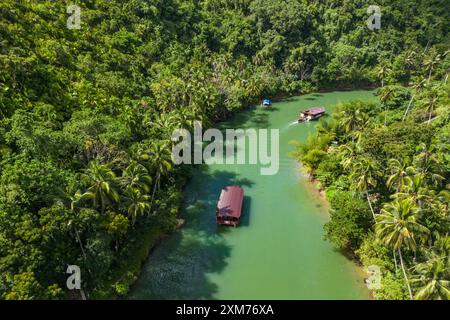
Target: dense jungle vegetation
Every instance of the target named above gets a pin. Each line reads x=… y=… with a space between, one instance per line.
x=86 y=176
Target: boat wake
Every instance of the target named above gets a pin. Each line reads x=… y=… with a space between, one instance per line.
x=291 y=124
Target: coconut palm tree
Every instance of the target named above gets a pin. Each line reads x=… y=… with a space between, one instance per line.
x=158 y=158
x=351 y=120
x=136 y=176
x=382 y=72
x=74 y=199
x=102 y=180
x=138 y=203
x=364 y=174
x=415 y=190
x=397 y=226
x=411 y=58
x=349 y=153
x=432 y=277
x=385 y=95
x=400 y=173
x=429 y=161
x=325 y=127
x=422 y=160
x=417 y=89
x=431 y=101
x=431 y=62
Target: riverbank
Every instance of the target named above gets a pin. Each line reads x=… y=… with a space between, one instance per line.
x=318 y=193
x=280 y=238
x=127 y=273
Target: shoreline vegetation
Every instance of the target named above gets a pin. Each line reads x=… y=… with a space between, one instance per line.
x=316 y=190
x=150 y=246
x=389 y=201
x=86 y=115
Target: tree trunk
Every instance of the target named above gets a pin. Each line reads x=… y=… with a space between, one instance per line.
x=370 y=205
x=81 y=244
x=407 y=109
x=83 y=296
x=431 y=113
x=404 y=273
x=395 y=260
x=153 y=194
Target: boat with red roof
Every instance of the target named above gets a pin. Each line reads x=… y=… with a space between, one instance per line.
x=229 y=206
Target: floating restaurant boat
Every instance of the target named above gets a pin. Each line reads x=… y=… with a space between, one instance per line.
x=229 y=206
x=311 y=114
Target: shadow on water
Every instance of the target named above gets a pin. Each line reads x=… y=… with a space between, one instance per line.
x=257 y=118
x=245 y=217
x=178 y=268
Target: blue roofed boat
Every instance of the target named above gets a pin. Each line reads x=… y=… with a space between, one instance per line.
x=266 y=102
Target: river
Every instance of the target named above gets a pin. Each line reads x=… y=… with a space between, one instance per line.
x=278 y=251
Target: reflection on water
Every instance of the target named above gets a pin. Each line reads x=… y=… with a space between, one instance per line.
x=278 y=251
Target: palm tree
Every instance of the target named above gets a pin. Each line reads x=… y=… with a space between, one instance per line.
x=430 y=103
x=429 y=161
x=415 y=190
x=137 y=203
x=431 y=62
x=410 y=58
x=159 y=159
x=349 y=153
x=432 y=279
x=417 y=87
x=73 y=206
x=385 y=95
x=136 y=176
x=400 y=173
x=397 y=226
x=382 y=72
x=432 y=276
x=102 y=180
x=364 y=174
x=351 y=119
x=425 y=150
x=325 y=127
x=72 y=223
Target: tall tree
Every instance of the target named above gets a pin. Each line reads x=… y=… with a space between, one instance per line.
x=401 y=173
x=159 y=159
x=397 y=226
x=102 y=180
x=364 y=173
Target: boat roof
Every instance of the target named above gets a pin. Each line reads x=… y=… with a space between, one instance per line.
x=266 y=101
x=315 y=110
x=230 y=201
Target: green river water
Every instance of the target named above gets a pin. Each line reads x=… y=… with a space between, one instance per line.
x=277 y=252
